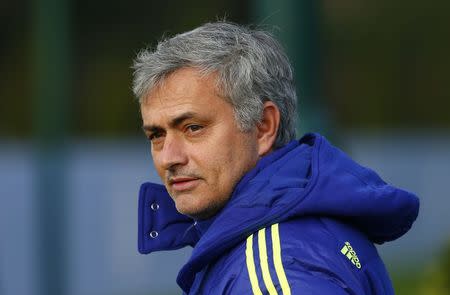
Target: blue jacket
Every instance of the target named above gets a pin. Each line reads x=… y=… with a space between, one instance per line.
x=303 y=221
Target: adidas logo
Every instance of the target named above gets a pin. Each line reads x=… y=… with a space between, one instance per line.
x=348 y=251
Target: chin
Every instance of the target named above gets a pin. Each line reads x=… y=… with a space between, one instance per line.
x=186 y=205
x=196 y=211
x=198 y=205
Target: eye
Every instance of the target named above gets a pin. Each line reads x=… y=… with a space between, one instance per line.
x=155 y=135
x=194 y=128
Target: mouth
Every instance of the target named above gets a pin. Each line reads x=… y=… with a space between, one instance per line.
x=180 y=184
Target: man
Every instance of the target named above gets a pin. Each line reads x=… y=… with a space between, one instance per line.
x=265 y=213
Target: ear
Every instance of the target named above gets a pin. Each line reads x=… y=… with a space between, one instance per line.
x=267 y=128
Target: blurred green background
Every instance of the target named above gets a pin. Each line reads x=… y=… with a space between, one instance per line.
x=370 y=74
x=386 y=60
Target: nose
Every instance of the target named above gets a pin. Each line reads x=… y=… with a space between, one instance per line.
x=173 y=153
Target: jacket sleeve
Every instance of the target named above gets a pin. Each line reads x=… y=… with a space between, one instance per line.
x=266 y=270
x=313 y=285
x=301 y=282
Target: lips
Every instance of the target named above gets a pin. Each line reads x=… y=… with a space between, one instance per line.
x=183 y=183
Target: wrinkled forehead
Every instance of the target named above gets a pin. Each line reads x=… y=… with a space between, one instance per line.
x=184 y=91
x=170 y=82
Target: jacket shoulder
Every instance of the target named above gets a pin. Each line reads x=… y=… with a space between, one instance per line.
x=323 y=251
x=310 y=255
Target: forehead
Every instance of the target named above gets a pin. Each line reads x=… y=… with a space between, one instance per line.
x=185 y=90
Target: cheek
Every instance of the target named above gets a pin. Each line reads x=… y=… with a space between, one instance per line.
x=213 y=163
x=230 y=167
x=158 y=167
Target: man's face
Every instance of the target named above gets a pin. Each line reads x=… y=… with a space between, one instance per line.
x=197 y=148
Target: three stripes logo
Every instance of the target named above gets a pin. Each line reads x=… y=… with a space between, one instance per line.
x=348 y=251
x=264 y=262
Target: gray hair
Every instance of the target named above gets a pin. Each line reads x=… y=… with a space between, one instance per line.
x=251 y=68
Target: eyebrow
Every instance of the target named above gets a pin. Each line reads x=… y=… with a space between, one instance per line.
x=173 y=123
